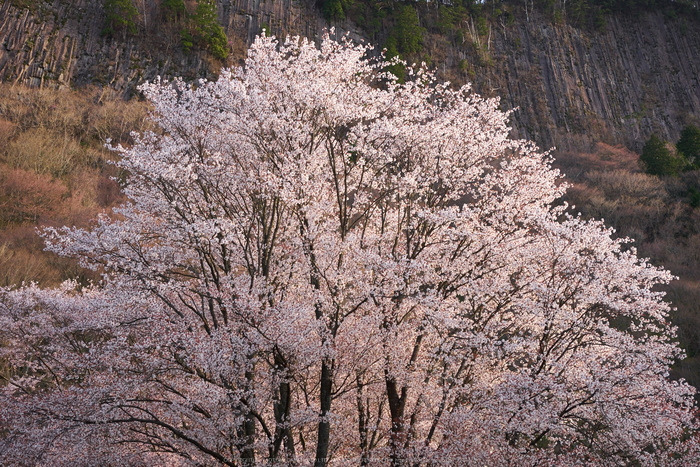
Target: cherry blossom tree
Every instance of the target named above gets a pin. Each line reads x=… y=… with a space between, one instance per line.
x=320 y=265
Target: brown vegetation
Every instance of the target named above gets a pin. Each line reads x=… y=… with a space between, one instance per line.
x=54 y=170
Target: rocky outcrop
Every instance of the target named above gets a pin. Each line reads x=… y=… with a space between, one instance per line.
x=572 y=87
x=60 y=42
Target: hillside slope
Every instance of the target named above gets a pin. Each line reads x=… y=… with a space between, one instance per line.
x=573 y=87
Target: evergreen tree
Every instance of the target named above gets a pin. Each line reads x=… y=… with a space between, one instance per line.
x=408 y=32
x=657 y=158
x=689 y=146
x=174 y=8
x=209 y=30
x=120 y=16
x=335 y=10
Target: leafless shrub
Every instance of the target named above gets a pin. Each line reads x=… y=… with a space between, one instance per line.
x=19 y=266
x=44 y=152
x=26 y=197
x=630 y=188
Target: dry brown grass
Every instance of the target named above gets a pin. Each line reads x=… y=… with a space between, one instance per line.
x=90 y=113
x=44 y=152
x=54 y=171
x=57 y=132
x=628 y=187
x=604 y=158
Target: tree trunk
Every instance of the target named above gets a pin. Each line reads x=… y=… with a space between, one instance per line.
x=246 y=433
x=397 y=407
x=324 y=426
x=283 y=431
x=363 y=421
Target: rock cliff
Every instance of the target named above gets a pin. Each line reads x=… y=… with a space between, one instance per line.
x=638 y=76
x=572 y=87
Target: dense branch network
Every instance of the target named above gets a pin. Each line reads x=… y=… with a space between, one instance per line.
x=320 y=265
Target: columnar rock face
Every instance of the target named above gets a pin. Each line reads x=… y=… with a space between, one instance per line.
x=245 y=19
x=61 y=43
x=572 y=87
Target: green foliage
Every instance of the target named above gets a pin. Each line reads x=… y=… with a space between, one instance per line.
x=335 y=10
x=120 y=16
x=406 y=38
x=22 y=4
x=369 y=16
x=508 y=18
x=657 y=158
x=466 y=67
x=694 y=197
x=174 y=8
x=398 y=70
x=186 y=40
x=689 y=146
x=407 y=31
x=208 y=29
x=600 y=19
x=482 y=26
x=177 y=6
x=205 y=16
x=450 y=17
x=201 y=29
x=218 y=43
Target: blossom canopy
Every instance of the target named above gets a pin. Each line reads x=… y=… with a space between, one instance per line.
x=320 y=265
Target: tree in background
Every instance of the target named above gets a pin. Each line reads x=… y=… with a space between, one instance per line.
x=406 y=38
x=688 y=146
x=335 y=10
x=209 y=30
x=199 y=28
x=175 y=9
x=120 y=16
x=407 y=31
x=318 y=264
x=658 y=160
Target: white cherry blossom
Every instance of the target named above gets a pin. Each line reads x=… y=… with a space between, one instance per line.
x=320 y=265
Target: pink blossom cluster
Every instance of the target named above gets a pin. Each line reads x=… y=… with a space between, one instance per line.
x=320 y=265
